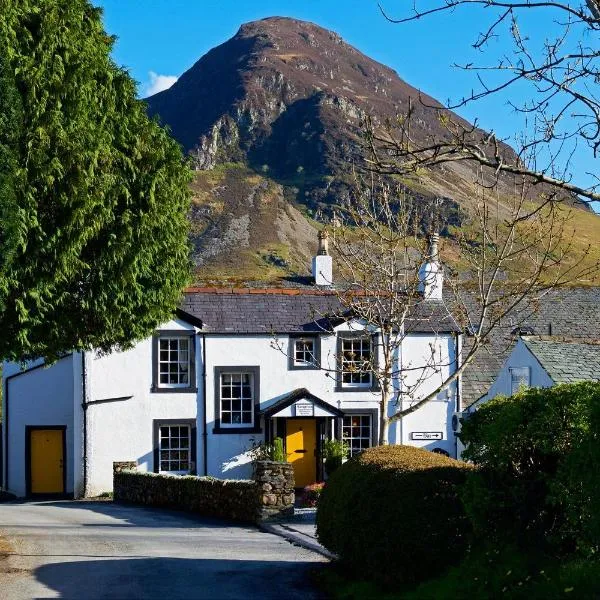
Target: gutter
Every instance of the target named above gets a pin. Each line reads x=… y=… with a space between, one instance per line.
x=204 y=424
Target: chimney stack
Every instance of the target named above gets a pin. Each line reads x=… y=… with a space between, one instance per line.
x=431 y=274
x=322 y=264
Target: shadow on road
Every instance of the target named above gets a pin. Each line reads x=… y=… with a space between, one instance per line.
x=170 y=578
x=130 y=515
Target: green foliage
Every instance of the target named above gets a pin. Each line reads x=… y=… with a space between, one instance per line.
x=93 y=194
x=264 y=451
x=334 y=452
x=538 y=457
x=278 y=453
x=393 y=513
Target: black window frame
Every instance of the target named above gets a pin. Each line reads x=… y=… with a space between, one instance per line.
x=292 y=366
x=157 y=424
x=219 y=428
x=346 y=335
x=165 y=389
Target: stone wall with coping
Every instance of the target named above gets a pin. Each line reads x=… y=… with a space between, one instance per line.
x=269 y=496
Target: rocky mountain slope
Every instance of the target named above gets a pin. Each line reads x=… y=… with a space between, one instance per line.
x=272 y=120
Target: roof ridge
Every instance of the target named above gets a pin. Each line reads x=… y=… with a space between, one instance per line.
x=266 y=291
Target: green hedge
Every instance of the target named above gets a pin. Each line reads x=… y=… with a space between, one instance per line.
x=393 y=513
x=538 y=480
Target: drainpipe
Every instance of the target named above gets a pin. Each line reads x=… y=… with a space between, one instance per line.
x=84 y=406
x=204 y=424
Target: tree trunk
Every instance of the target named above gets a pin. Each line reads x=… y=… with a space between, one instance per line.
x=384 y=421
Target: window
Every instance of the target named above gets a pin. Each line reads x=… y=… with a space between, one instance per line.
x=356 y=361
x=519 y=377
x=357 y=433
x=304 y=352
x=236 y=399
x=175 y=449
x=173 y=362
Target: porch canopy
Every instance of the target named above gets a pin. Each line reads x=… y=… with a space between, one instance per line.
x=300 y=403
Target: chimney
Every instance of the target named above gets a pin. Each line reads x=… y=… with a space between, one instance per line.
x=322 y=263
x=431 y=275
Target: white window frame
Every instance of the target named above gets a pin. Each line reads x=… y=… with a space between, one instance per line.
x=356 y=385
x=251 y=399
x=177 y=449
x=188 y=340
x=520 y=376
x=348 y=438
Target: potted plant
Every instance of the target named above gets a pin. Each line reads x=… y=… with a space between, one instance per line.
x=334 y=453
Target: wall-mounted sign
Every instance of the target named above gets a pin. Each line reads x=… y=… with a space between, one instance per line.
x=426 y=435
x=304 y=409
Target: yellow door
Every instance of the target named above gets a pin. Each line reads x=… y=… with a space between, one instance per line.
x=47 y=461
x=301 y=446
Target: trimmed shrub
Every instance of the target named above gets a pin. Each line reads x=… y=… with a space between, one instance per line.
x=538 y=457
x=393 y=514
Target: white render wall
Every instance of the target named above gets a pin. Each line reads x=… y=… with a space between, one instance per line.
x=519 y=357
x=122 y=429
x=41 y=397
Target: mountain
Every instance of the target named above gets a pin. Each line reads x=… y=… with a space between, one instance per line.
x=272 y=121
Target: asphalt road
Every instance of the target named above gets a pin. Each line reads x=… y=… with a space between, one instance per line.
x=88 y=550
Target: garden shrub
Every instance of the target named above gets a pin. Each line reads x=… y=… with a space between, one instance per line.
x=311 y=494
x=393 y=513
x=538 y=457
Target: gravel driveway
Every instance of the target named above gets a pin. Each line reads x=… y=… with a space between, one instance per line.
x=89 y=550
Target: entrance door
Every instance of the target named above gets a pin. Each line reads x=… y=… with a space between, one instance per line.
x=47 y=461
x=301 y=445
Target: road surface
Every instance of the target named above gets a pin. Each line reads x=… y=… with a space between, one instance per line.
x=88 y=550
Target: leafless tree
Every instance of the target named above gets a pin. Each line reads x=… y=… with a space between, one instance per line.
x=506 y=265
x=550 y=58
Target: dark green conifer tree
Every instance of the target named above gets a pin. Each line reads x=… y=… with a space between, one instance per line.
x=93 y=194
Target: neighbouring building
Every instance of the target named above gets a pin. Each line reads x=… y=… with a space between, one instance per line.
x=234 y=367
x=544 y=361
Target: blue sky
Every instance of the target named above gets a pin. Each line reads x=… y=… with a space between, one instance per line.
x=160 y=39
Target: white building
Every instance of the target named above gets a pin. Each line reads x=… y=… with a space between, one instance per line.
x=543 y=361
x=233 y=368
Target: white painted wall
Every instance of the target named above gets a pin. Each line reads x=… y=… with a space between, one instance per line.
x=520 y=356
x=436 y=415
x=43 y=396
x=122 y=430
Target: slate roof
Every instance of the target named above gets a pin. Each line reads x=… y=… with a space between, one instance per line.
x=281 y=310
x=567 y=313
x=566 y=360
x=573 y=313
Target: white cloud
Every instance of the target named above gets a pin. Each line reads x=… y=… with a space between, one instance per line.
x=158 y=83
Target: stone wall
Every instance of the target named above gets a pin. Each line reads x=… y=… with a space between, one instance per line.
x=269 y=496
x=275 y=483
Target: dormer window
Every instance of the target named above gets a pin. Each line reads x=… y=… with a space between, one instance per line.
x=173 y=362
x=304 y=352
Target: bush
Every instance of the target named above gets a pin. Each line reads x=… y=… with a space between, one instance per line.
x=394 y=513
x=538 y=455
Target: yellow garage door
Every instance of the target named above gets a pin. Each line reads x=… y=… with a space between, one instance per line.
x=301 y=445
x=47 y=461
